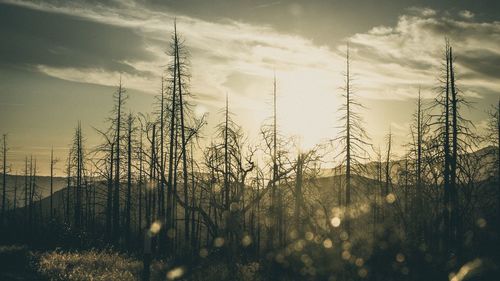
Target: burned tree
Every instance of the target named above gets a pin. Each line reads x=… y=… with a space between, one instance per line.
x=77 y=162
x=454 y=138
x=352 y=137
x=4 y=179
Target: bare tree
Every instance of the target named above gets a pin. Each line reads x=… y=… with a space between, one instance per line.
x=456 y=138
x=4 y=179
x=352 y=137
x=52 y=164
x=493 y=137
x=130 y=124
x=77 y=162
x=120 y=98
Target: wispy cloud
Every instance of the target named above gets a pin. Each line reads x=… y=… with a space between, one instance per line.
x=389 y=62
x=422 y=11
x=395 y=60
x=466 y=14
x=267 y=4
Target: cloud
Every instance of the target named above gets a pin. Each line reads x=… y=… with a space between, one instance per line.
x=390 y=61
x=395 y=60
x=466 y=14
x=422 y=11
x=101 y=41
x=33 y=37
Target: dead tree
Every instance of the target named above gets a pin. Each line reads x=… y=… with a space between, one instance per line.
x=228 y=165
x=456 y=138
x=161 y=172
x=387 y=175
x=130 y=124
x=120 y=99
x=15 y=194
x=140 y=184
x=26 y=189
x=182 y=117
x=388 y=165
x=493 y=137
x=172 y=140
x=78 y=164
x=352 y=138
x=183 y=128
x=418 y=130
x=4 y=179
x=68 y=188
x=299 y=199
x=52 y=164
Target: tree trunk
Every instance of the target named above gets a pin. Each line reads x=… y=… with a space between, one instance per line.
x=116 y=197
x=51 y=183
x=4 y=177
x=129 y=181
x=183 y=147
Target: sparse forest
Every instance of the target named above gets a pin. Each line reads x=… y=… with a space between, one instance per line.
x=152 y=203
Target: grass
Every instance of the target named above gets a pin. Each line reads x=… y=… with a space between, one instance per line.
x=88 y=265
x=105 y=265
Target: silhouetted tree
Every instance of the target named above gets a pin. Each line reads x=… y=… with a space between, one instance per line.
x=352 y=138
x=4 y=179
x=120 y=99
x=130 y=125
x=77 y=163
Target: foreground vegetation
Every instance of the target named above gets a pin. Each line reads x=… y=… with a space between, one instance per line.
x=308 y=259
x=88 y=265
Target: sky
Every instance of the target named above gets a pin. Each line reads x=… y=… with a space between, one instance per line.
x=60 y=62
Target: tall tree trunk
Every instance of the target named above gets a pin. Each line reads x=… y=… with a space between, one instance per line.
x=140 y=185
x=52 y=183
x=161 y=197
x=298 y=196
x=109 y=197
x=419 y=190
x=446 y=168
x=68 y=188
x=15 y=195
x=171 y=156
x=193 y=204
x=388 y=165
x=129 y=181
x=78 y=190
x=348 y=146
x=4 y=178
x=455 y=222
x=116 y=196
x=183 y=145
x=339 y=181
x=273 y=207
x=226 y=160
x=32 y=192
x=26 y=190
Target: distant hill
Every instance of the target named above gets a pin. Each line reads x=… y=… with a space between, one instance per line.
x=485 y=156
x=42 y=187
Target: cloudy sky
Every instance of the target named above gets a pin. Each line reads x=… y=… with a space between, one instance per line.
x=61 y=60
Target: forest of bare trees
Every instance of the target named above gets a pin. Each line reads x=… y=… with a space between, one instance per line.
x=374 y=214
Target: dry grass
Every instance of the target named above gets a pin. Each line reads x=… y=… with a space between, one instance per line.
x=97 y=265
x=89 y=265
